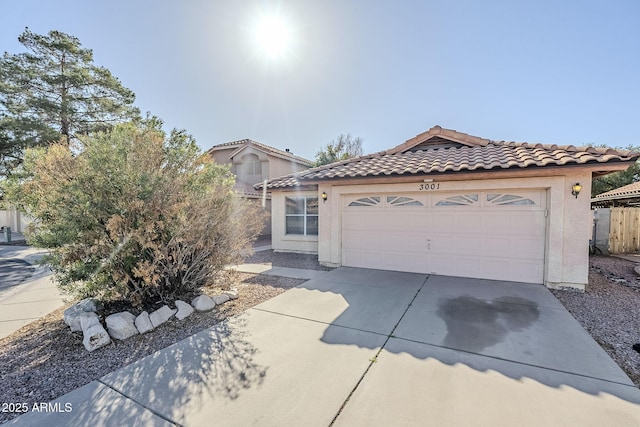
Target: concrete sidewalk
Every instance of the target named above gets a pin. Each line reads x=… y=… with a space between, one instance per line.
x=31 y=293
x=376 y=348
x=28 y=293
x=269 y=270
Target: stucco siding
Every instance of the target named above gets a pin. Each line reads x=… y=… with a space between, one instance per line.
x=280 y=241
x=567 y=231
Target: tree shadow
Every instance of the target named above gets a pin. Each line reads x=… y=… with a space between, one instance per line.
x=216 y=363
x=14 y=272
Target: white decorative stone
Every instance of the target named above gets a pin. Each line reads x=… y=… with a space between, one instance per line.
x=72 y=318
x=143 y=322
x=203 y=303
x=72 y=314
x=231 y=293
x=95 y=337
x=88 y=319
x=161 y=315
x=184 y=310
x=121 y=325
x=221 y=299
x=90 y=304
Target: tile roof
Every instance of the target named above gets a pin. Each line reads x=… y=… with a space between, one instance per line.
x=247 y=189
x=628 y=191
x=443 y=150
x=263 y=147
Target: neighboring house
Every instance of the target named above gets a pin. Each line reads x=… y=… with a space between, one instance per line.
x=15 y=219
x=452 y=204
x=252 y=162
x=616 y=214
x=626 y=196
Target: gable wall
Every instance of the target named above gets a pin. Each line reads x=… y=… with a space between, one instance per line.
x=272 y=166
x=280 y=167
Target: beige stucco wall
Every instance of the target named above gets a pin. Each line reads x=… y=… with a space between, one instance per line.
x=568 y=221
x=281 y=167
x=14 y=219
x=272 y=166
x=280 y=241
x=222 y=156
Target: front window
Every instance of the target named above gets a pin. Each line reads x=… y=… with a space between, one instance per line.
x=302 y=215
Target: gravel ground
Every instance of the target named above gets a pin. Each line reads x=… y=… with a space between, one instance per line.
x=609 y=310
x=45 y=360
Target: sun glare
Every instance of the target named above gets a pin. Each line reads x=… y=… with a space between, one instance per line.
x=273 y=36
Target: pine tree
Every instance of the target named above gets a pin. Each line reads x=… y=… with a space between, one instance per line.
x=54 y=91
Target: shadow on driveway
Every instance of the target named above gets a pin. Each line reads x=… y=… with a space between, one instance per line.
x=517 y=329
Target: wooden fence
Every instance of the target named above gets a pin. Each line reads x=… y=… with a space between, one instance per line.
x=624 y=234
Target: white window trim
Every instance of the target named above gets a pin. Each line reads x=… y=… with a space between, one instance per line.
x=303 y=215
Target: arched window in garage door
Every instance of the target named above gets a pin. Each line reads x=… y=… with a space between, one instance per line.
x=508 y=199
x=366 y=201
x=460 y=200
x=403 y=201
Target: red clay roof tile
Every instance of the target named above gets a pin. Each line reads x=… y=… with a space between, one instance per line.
x=475 y=154
x=631 y=190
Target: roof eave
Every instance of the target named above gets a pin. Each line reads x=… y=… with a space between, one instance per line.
x=548 y=170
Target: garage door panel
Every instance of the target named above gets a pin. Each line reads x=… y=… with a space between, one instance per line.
x=465 y=222
x=480 y=239
x=497 y=246
x=361 y=258
x=413 y=262
x=466 y=267
x=528 y=249
x=440 y=221
x=467 y=245
x=441 y=264
x=521 y=271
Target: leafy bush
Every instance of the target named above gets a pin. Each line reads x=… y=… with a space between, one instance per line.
x=134 y=213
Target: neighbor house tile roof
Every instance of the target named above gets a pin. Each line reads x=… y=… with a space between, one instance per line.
x=628 y=191
x=247 y=189
x=262 y=147
x=443 y=150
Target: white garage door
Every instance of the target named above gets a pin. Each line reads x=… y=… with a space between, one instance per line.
x=490 y=235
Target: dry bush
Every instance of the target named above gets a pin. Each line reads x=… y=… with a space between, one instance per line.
x=135 y=214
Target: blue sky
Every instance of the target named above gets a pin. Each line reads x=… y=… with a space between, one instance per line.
x=557 y=72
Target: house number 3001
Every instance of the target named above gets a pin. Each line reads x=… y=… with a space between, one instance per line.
x=432 y=186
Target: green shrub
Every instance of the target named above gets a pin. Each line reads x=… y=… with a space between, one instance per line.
x=134 y=213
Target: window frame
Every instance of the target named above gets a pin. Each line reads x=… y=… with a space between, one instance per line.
x=305 y=215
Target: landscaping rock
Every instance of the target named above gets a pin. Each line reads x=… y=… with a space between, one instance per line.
x=203 y=303
x=88 y=319
x=121 y=325
x=231 y=293
x=95 y=337
x=143 y=322
x=73 y=313
x=221 y=299
x=161 y=315
x=90 y=304
x=184 y=310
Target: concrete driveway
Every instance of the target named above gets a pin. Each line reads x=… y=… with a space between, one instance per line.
x=365 y=347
